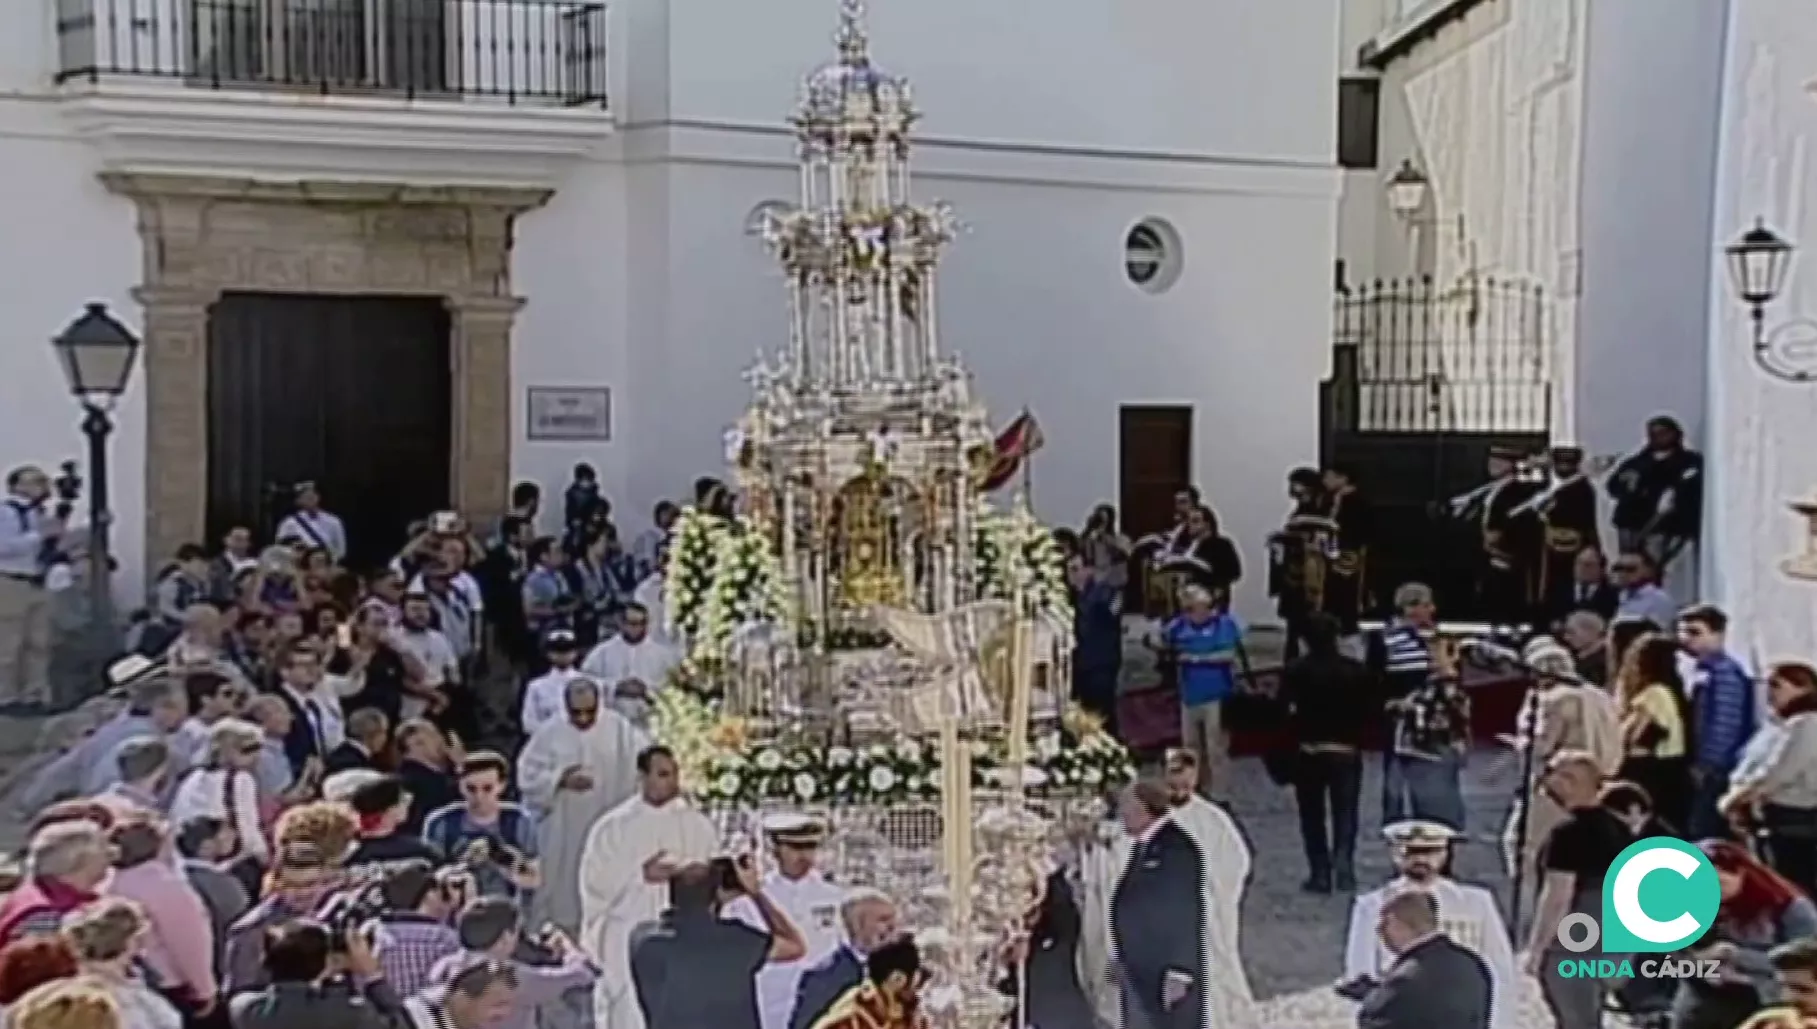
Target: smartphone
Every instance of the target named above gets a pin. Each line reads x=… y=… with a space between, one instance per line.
x=343 y=635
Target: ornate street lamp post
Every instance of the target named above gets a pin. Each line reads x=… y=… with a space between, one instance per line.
x=1407 y=189
x=97 y=354
x=1759 y=261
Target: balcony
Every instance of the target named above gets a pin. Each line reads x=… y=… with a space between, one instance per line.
x=483 y=92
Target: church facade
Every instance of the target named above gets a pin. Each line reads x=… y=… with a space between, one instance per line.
x=1145 y=227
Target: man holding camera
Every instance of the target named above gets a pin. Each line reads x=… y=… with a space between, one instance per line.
x=413 y=933
x=313 y=984
x=27 y=534
x=693 y=967
x=491 y=929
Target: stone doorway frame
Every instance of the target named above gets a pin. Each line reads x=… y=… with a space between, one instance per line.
x=204 y=236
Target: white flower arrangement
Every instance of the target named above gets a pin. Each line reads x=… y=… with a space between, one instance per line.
x=693 y=560
x=722 y=577
x=746 y=589
x=1080 y=758
x=1015 y=556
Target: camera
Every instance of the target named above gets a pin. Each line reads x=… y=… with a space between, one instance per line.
x=724 y=872
x=347 y=911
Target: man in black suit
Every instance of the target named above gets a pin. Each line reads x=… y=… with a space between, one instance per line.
x=299 y=672
x=1587 y=589
x=1157 y=917
x=368 y=734
x=870 y=922
x=1433 y=981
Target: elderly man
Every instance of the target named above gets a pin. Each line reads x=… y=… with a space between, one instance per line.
x=28 y=533
x=144 y=764
x=153 y=708
x=1466 y=913
x=869 y=920
x=1203 y=640
x=66 y=863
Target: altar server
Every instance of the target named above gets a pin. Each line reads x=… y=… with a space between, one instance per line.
x=1467 y=914
x=796 y=885
x=572 y=771
x=1228 y=860
x=629 y=857
x=632 y=665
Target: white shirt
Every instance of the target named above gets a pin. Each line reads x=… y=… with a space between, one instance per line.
x=812 y=904
x=203 y=794
x=545 y=698
x=440 y=663
x=618 y=660
x=316 y=528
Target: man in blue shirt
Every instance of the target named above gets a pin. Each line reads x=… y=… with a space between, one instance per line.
x=1723 y=715
x=1204 y=641
x=1098 y=641
x=494 y=838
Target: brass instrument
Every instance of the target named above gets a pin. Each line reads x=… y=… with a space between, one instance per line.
x=1306 y=566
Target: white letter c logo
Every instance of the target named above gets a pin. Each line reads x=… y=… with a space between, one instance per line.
x=1626 y=894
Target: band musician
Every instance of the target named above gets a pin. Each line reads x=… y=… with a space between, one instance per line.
x=1157 y=551
x=1346 y=592
x=1566 y=509
x=1509 y=582
x=1298 y=555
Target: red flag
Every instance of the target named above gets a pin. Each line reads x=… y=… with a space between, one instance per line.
x=1015 y=444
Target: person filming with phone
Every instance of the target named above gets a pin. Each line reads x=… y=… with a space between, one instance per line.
x=694 y=968
x=317 y=980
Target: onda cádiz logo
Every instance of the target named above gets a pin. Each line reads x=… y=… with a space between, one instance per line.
x=1660 y=895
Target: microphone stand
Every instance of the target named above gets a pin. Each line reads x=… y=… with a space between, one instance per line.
x=1524 y=796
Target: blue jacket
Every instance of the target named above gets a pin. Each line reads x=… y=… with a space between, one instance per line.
x=823 y=984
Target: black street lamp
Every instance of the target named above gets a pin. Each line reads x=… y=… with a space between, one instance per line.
x=97 y=354
x=1759 y=262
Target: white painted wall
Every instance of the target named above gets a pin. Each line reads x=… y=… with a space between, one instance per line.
x=1759 y=430
x=1052 y=134
x=1650 y=154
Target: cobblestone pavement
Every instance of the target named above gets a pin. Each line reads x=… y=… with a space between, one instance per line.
x=1293 y=941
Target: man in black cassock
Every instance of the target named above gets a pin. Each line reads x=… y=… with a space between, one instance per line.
x=1567 y=513
x=1157 y=917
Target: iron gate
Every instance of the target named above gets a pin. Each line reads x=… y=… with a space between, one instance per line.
x=1425 y=379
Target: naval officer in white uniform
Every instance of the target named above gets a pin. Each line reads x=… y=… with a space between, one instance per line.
x=1467 y=914
x=797 y=886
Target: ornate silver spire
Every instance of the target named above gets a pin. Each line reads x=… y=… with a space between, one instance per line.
x=853 y=42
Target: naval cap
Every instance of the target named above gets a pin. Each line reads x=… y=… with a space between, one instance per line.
x=794 y=829
x=1419 y=834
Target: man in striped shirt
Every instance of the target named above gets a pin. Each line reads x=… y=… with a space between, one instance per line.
x=1723 y=715
x=1400 y=656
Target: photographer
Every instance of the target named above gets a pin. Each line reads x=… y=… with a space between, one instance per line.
x=311 y=985
x=491 y=931
x=413 y=932
x=29 y=535
x=691 y=968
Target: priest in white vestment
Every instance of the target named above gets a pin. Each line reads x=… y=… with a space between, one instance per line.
x=629 y=857
x=1467 y=914
x=633 y=665
x=1228 y=861
x=572 y=771
x=651 y=595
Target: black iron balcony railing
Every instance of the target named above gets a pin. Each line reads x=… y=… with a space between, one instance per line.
x=538 y=51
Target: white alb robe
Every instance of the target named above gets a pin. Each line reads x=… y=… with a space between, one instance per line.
x=615 y=900
x=546 y=698
x=615 y=661
x=1228 y=861
x=1228 y=1000
x=607 y=751
x=651 y=594
x=1466 y=913
x=812 y=904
